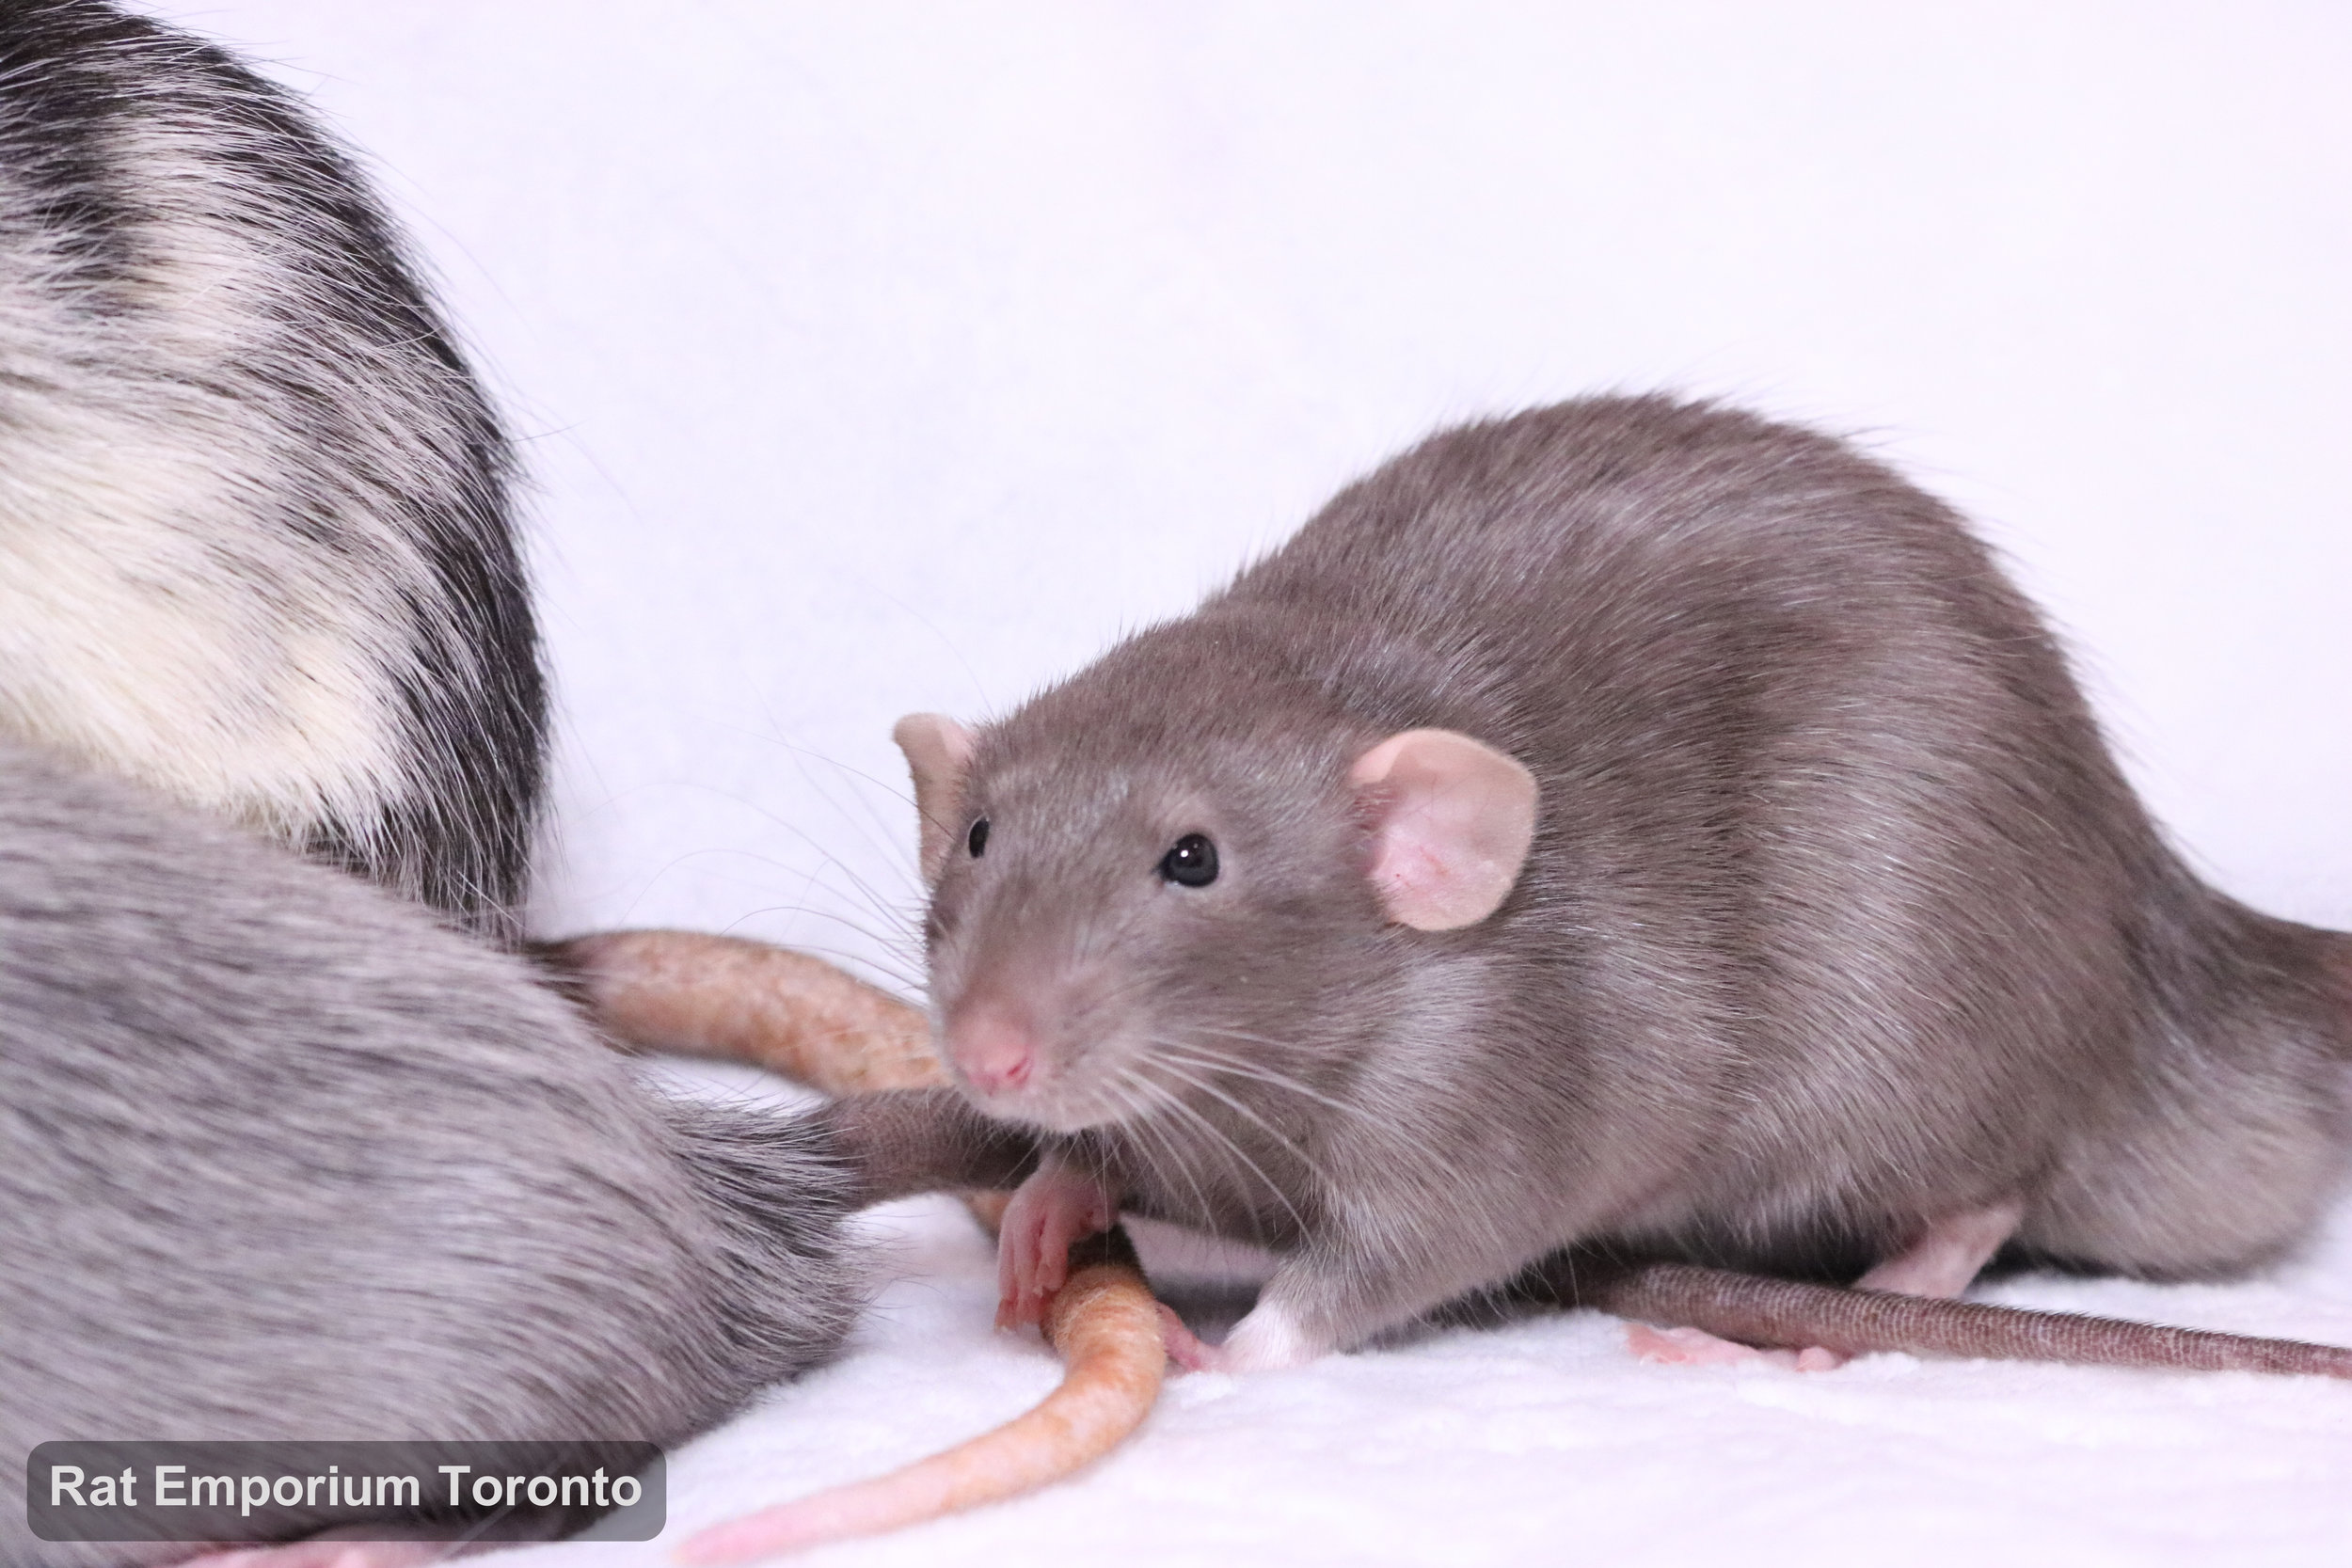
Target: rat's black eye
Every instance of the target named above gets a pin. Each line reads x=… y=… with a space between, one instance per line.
x=976 y=840
x=1192 y=863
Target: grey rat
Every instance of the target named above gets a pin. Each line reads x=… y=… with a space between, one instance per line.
x=257 y=546
x=282 y=1157
x=1630 y=829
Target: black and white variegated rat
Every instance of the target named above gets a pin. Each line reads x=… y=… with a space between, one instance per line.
x=1634 y=828
x=283 y=1155
x=255 y=537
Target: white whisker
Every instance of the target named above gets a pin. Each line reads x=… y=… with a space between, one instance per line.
x=1197 y=1054
x=1225 y=1140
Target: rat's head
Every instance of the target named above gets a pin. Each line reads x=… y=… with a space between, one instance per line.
x=1128 y=906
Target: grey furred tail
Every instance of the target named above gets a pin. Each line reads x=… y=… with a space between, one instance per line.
x=780 y=1190
x=256 y=548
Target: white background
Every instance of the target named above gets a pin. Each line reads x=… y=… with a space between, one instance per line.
x=876 y=358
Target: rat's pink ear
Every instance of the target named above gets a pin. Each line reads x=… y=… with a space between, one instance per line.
x=936 y=748
x=1452 y=822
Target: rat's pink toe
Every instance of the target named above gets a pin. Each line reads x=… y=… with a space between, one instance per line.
x=1695 y=1347
x=1186 y=1347
x=1684 y=1347
x=1053 y=1208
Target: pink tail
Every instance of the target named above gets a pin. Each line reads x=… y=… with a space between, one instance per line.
x=1107 y=1328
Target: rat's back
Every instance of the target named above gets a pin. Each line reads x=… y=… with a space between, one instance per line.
x=1830 y=850
x=281 y=1158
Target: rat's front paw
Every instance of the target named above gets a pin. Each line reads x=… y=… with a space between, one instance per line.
x=1267 y=1341
x=1187 y=1349
x=1051 y=1208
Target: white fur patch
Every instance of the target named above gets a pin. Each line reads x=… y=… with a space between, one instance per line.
x=1267 y=1341
x=158 y=619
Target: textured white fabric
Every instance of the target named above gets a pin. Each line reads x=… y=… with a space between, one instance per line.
x=1547 y=1443
x=883 y=357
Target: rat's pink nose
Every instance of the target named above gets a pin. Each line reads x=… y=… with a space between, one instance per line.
x=995 y=1052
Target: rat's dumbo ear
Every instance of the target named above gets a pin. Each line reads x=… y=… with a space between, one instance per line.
x=937 y=747
x=1451 y=820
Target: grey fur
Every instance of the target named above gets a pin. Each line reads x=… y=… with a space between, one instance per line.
x=280 y=1157
x=1840 y=918
x=255 y=538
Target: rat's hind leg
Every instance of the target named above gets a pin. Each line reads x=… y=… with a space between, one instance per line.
x=1948 y=1255
x=1942 y=1261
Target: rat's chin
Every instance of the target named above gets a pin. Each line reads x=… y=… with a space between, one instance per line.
x=1072 y=1118
x=1046 y=1107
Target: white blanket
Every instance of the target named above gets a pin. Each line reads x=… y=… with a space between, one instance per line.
x=1546 y=1441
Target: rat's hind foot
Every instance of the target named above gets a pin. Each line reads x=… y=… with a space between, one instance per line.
x=1942 y=1261
x=1695 y=1347
x=1053 y=1208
